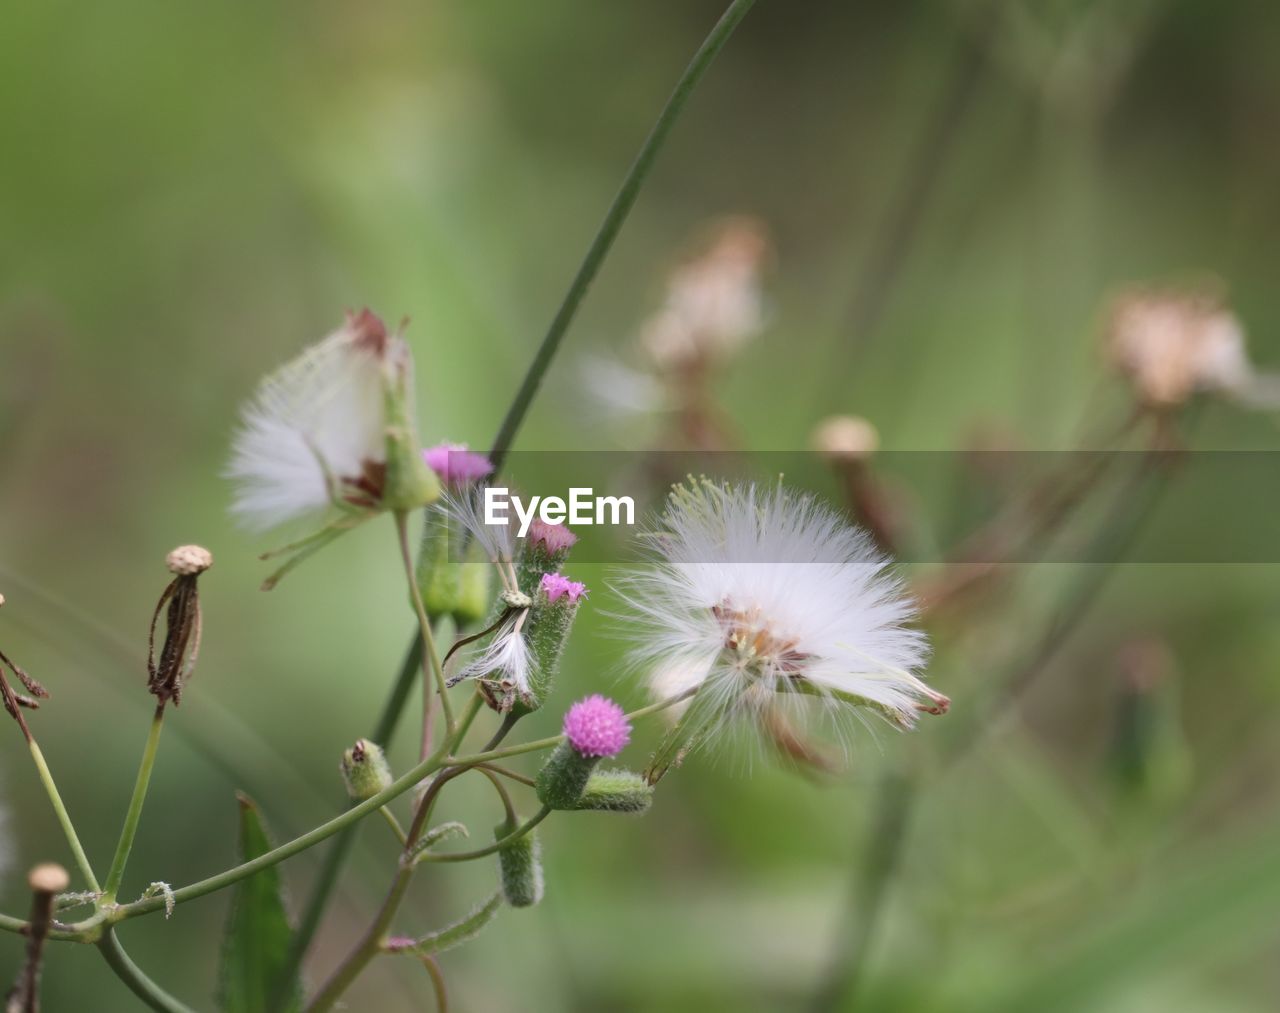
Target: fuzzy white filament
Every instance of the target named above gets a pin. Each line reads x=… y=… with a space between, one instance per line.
x=758 y=591
x=315 y=427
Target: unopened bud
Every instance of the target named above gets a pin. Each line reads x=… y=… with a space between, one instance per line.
x=554 y=607
x=365 y=770
x=408 y=483
x=616 y=791
x=519 y=866
x=544 y=550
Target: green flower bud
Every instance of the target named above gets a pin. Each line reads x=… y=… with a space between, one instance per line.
x=616 y=791
x=547 y=631
x=475 y=594
x=408 y=483
x=365 y=770
x=563 y=778
x=519 y=866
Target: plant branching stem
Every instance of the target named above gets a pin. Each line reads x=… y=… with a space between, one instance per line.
x=134 y=814
x=132 y=975
x=64 y=818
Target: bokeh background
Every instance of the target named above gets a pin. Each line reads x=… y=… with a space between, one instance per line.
x=193 y=192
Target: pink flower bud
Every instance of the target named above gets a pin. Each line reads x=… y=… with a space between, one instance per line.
x=597 y=727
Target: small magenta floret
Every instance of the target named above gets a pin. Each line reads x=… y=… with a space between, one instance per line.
x=597 y=727
x=552 y=537
x=456 y=465
x=557 y=585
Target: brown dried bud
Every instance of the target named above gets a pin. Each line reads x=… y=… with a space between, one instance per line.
x=167 y=673
x=48 y=878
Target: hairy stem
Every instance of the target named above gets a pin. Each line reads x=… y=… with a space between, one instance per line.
x=134 y=813
x=496 y=846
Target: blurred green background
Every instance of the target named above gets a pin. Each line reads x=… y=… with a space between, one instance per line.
x=193 y=192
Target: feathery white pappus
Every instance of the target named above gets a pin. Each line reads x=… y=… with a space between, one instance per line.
x=317 y=427
x=760 y=590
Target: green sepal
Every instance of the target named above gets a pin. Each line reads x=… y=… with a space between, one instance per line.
x=563 y=778
x=408 y=482
x=615 y=791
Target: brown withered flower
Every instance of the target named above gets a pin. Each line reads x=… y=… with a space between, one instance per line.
x=15 y=701
x=168 y=673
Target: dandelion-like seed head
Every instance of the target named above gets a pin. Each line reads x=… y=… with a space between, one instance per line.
x=756 y=592
x=1171 y=343
x=714 y=303
x=188 y=560
x=597 y=727
x=557 y=586
x=456 y=465
x=317 y=431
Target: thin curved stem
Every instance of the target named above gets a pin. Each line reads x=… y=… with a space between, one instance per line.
x=437 y=982
x=64 y=818
x=132 y=975
x=394 y=824
x=336 y=856
x=134 y=814
x=612 y=224
x=507 y=772
x=276 y=855
x=498 y=845
x=431 y=666
x=500 y=788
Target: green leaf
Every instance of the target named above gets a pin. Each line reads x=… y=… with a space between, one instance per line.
x=258 y=933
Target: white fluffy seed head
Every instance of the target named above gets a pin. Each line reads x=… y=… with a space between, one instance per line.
x=316 y=428
x=759 y=591
x=1172 y=343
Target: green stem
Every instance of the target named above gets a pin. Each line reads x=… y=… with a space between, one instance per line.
x=132 y=975
x=134 y=814
x=228 y=877
x=612 y=223
x=498 y=845
x=437 y=981
x=64 y=818
x=867 y=895
x=369 y=947
x=337 y=853
x=394 y=824
x=431 y=660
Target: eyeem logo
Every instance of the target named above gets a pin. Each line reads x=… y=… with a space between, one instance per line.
x=582 y=508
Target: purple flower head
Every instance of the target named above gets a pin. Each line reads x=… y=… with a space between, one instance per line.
x=597 y=726
x=455 y=464
x=557 y=585
x=553 y=537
